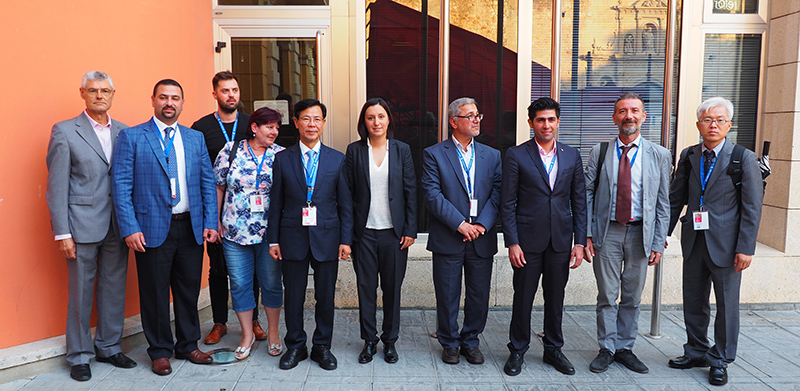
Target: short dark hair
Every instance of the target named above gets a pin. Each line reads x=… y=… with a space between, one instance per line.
x=262 y=116
x=305 y=104
x=224 y=75
x=362 y=126
x=167 y=82
x=629 y=95
x=542 y=104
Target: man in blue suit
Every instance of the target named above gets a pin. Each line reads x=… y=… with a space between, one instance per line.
x=543 y=210
x=165 y=200
x=461 y=181
x=310 y=224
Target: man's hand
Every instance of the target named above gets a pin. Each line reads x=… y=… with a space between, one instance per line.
x=576 y=257
x=275 y=252
x=471 y=231
x=344 y=251
x=406 y=242
x=67 y=248
x=211 y=235
x=516 y=256
x=136 y=242
x=655 y=258
x=588 y=252
x=742 y=261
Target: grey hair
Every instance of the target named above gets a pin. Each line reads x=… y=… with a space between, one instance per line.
x=711 y=103
x=629 y=95
x=453 y=110
x=96 y=75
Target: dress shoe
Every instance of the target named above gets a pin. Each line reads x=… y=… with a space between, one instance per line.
x=514 y=364
x=602 y=361
x=218 y=331
x=450 y=356
x=322 y=355
x=161 y=366
x=557 y=359
x=80 y=372
x=629 y=360
x=390 y=353
x=242 y=352
x=366 y=354
x=718 y=376
x=196 y=357
x=292 y=357
x=473 y=355
x=684 y=362
x=260 y=334
x=118 y=360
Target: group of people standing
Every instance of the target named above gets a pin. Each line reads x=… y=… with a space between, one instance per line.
x=268 y=213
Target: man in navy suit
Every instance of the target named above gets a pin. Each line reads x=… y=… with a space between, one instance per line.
x=310 y=224
x=543 y=210
x=461 y=181
x=165 y=200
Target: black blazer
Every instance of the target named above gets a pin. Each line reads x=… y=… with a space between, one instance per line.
x=402 y=187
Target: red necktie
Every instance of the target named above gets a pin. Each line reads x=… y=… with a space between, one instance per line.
x=623 y=212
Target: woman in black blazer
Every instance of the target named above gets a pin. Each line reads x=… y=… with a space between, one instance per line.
x=381 y=177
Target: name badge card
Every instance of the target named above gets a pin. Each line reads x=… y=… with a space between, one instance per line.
x=473 y=207
x=173 y=187
x=256 y=203
x=700 y=220
x=310 y=216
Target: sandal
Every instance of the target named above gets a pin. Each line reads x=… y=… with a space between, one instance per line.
x=242 y=352
x=275 y=349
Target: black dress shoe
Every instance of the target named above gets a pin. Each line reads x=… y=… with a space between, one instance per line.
x=366 y=354
x=118 y=360
x=602 y=361
x=292 y=357
x=557 y=359
x=514 y=364
x=473 y=355
x=684 y=362
x=629 y=360
x=450 y=356
x=322 y=355
x=81 y=372
x=390 y=353
x=718 y=376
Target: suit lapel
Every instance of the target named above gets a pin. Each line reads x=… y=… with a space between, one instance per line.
x=694 y=159
x=188 y=150
x=363 y=152
x=533 y=151
x=115 y=129
x=84 y=129
x=151 y=134
x=395 y=166
x=297 y=165
x=722 y=163
x=455 y=162
x=563 y=164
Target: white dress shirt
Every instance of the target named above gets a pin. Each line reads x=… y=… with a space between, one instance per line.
x=183 y=204
x=636 y=178
x=379 y=216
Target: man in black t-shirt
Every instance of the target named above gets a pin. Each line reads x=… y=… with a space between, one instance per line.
x=234 y=122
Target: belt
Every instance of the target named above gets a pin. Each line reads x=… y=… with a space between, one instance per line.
x=181 y=216
x=630 y=223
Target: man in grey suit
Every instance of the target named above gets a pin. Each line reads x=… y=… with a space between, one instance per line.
x=85 y=228
x=628 y=219
x=718 y=237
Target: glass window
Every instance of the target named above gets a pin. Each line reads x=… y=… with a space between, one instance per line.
x=734 y=6
x=541 y=52
x=272 y=2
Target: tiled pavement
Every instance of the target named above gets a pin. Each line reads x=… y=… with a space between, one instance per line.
x=769 y=352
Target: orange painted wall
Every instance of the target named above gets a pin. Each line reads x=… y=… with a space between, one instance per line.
x=47 y=46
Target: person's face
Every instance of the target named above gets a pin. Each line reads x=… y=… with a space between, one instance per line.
x=265 y=134
x=98 y=95
x=377 y=121
x=545 y=125
x=309 y=124
x=168 y=103
x=227 y=95
x=466 y=127
x=714 y=132
x=629 y=115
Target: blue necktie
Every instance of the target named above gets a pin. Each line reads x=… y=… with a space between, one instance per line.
x=172 y=164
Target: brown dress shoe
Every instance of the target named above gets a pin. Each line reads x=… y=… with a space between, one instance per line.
x=161 y=367
x=218 y=331
x=259 y=332
x=196 y=357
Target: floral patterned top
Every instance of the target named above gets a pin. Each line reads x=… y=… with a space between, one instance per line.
x=239 y=224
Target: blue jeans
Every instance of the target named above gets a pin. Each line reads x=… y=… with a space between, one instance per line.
x=243 y=261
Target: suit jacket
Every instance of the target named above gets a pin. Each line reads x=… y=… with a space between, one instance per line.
x=402 y=187
x=141 y=186
x=79 y=180
x=533 y=215
x=656 y=167
x=288 y=198
x=447 y=200
x=733 y=223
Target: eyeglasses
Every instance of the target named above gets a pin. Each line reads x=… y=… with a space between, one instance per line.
x=307 y=120
x=718 y=121
x=94 y=91
x=472 y=117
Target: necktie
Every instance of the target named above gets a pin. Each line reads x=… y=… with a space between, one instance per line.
x=623 y=212
x=172 y=164
x=708 y=155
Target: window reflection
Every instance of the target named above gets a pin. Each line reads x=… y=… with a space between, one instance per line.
x=734 y=6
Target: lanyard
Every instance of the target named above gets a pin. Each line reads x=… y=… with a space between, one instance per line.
x=258 y=164
x=311 y=175
x=167 y=146
x=224 y=133
x=466 y=167
x=552 y=164
x=704 y=179
x=619 y=153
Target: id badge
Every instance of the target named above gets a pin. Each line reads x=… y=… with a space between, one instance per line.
x=700 y=220
x=173 y=187
x=256 y=203
x=310 y=216
x=473 y=207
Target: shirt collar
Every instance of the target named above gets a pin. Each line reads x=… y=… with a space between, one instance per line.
x=458 y=145
x=542 y=151
x=96 y=124
x=161 y=126
x=304 y=148
x=369 y=145
x=637 y=142
x=716 y=149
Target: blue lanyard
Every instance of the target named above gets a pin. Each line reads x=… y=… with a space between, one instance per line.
x=704 y=178
x=167 y=146
x=235 y=126
x=467 y=167
x=552 y=164
x=258 y=164
x=619 y=153
x=311 y=175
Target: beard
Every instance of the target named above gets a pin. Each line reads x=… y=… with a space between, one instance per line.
x=225 y=107
x=629 y=128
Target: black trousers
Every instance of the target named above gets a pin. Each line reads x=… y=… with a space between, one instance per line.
x=177 y=265
x=218 y=284
x=376 y=254
x=553 y=267
x=295 y=280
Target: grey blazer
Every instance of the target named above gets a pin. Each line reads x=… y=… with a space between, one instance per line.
x=656 y=167
x=733 y=224
x=79 y=180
